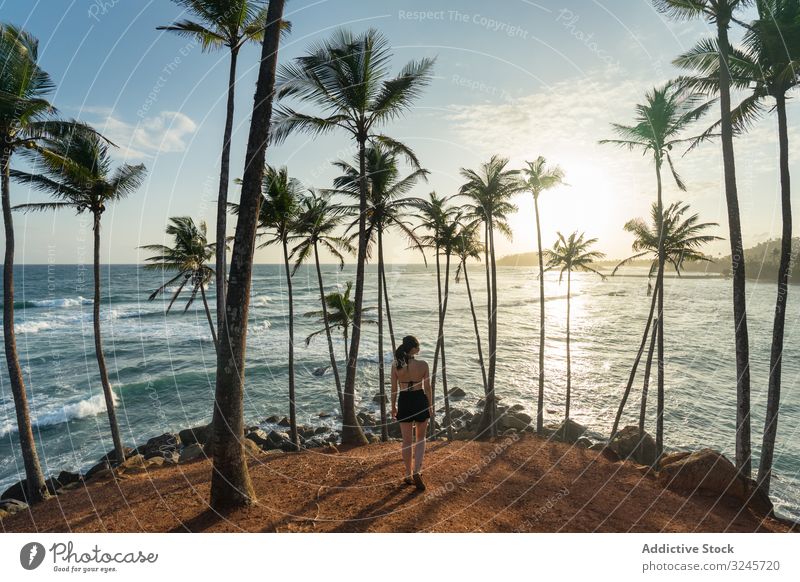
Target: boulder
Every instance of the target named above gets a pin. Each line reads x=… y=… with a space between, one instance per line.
x=16 y=491
x=457 y=393
x=320 y=371
x=569 y=431
x=276 y=439
x=516 y=408
x=704 y=472
x=192 y=452
x=134 y=464
x=373 y=438
x=628 y=444
x=154 y=462
x=284 y=422
x=274 y=419
x=258 y=437
x=324 y=414
x=12 y=506
x=583 y=443
x=377 y=398
x=515 y=420
x=70 y=487
x=199 y=434
x=95 y=470
x=158 y=446
x=320 y=430
x=3 y=514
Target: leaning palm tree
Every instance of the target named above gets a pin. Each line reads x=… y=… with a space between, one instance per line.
x=316 y=226
x=490 y=189
x=26 y=116
x=443 y=223
x=347 y=77
x=226 y=24
x=276 y=222
x=230 y=481
x=189 y=256
x=720 y=13
x=387 y=207
x=339 y=313
x=572 y=254
x=76 y=171
x=661 y=123
x=767 y=68
x=539 y=177
x=468 y=246
x=680 y=240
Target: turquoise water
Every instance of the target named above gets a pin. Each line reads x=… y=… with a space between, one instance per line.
x=162 y=366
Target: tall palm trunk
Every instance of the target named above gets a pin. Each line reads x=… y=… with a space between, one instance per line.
x=351 y=429
x=381 y=375
x=743 y=453
x=292 y=407
x=445 y=392
x=635 y=366
x=659 y=322
x=540 y=400
x=346 y=345
x=776 y=353
x=477 y=332
x=438 y=338
x=36 y=488
x=569 y=361
x=208 y=316
x=230 y=480
x=334 y=365
x=98 y=348
x=222 y=196
x=386 y=299
x=489 y=418
x=646 y=383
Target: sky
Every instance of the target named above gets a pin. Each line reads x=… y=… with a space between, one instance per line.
x=514 y=77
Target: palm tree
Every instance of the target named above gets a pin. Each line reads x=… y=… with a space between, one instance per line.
x=443 y=223
x=490 y=190
x=538 y=178
x=26 y=116
x=230 y=481
x=347 y=78
x=468 y=246
x=387 y=206
x=681 y=241
x=660 y=124
x=277 y=219
x=339 y=314
x=766 y=68
x=76 y=171
x=316 y=225
x=230 y=24
x=720 y=13
x=572 y=254
x=189 y=256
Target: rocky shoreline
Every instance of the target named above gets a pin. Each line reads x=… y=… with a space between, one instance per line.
x=705 y=471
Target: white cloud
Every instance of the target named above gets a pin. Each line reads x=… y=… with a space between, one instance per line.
x=165 y=132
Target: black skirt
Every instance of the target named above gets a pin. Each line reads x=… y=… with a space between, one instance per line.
x=412 y=405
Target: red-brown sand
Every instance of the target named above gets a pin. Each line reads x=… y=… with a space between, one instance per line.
x=526 y=485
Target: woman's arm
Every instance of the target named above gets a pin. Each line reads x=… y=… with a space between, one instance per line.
x=394 y=390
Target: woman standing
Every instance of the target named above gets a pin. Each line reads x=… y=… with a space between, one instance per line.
x=412 y=405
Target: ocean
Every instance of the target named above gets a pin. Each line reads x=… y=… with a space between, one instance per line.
x=162 y=365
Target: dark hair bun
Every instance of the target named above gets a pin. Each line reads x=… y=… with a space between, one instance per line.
x=401 y=355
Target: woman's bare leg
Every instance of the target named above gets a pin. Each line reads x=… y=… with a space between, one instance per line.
x=419 y=445
x=405 y=428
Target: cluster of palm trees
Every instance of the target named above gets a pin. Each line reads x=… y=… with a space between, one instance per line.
x=765 y=68
x=343 y=85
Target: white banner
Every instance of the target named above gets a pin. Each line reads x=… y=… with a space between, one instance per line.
x=355 y=557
